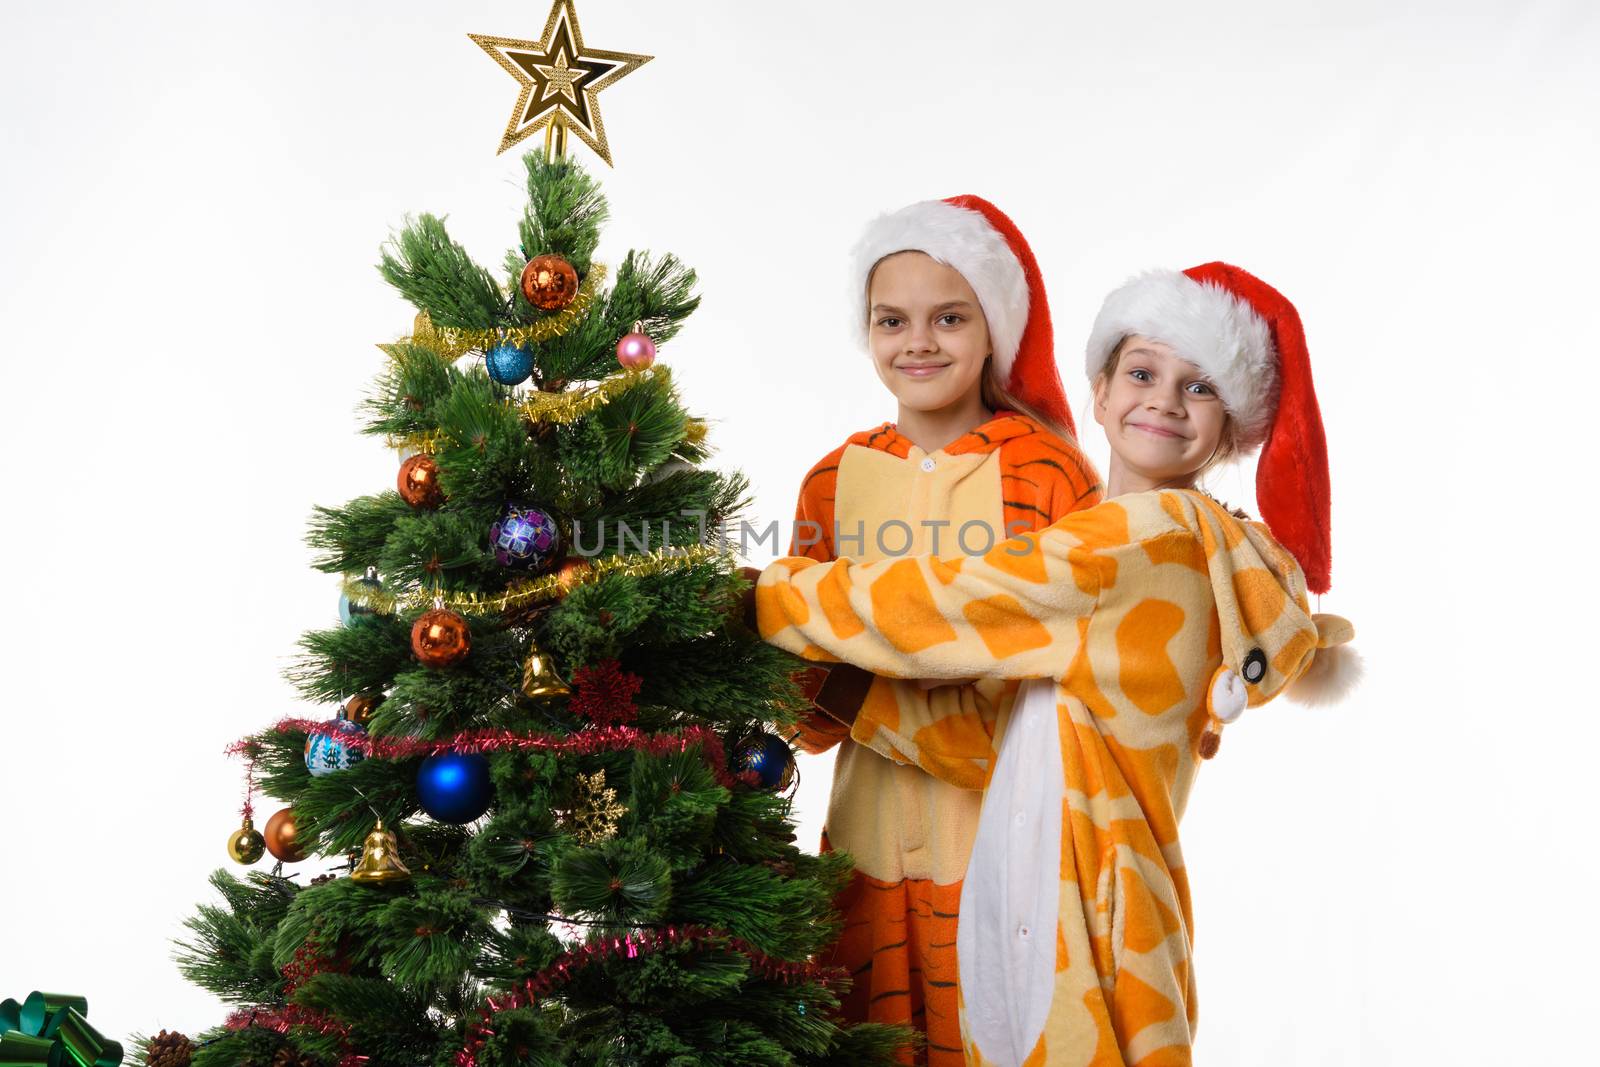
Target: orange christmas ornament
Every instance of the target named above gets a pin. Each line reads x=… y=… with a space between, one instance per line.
x=549 y=282
x=573 y=570
x=440 y=638
x=419 y=482
x=280 y=836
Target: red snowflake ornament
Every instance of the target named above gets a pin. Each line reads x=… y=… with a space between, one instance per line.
x=604 y=693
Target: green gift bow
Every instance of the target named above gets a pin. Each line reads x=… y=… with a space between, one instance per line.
x=50 y=1029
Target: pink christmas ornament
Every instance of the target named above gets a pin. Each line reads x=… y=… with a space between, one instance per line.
x=636 y=351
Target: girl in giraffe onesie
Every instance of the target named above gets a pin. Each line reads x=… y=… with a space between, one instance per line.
x=1112 y=646
x=954 y=313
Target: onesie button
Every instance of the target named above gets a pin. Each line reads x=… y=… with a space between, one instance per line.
x=1023 y=931
x=927 y=464
x=1022 y=817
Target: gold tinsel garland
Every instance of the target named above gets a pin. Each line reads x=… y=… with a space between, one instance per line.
x=572 y=405
x=566 y=407
x=548 y=587
x=416 y=442
x=453 y=342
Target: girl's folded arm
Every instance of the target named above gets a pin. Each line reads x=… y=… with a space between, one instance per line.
x=1011 y=613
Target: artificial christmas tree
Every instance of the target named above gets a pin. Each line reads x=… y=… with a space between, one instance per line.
x=554 y=855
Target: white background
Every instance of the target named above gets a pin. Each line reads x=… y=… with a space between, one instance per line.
x=191 y=200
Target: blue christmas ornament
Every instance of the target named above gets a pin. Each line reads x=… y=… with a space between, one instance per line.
x=526 y=538
x=768 y=757
x=455 y=786
x=509 y=364
x=350 y=610
x=329 y=752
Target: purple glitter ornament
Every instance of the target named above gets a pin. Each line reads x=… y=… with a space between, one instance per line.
x=525 y=538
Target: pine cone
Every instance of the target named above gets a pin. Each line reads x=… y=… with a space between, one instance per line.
x=169 y=1049
x=288 y=1056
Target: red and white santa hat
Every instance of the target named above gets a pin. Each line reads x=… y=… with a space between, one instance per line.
x=978 y=240
x=1247 y=338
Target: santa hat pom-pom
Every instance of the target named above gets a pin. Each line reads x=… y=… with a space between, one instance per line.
x=1335 y=670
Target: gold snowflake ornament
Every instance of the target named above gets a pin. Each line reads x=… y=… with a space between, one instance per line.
x=595 y=815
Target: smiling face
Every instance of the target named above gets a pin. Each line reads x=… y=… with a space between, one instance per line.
x=1162 y=417
x=927 y=333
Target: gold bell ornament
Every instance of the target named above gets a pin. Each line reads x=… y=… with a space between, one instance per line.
x=246 y=845
x=380 y=859
x=539 y=678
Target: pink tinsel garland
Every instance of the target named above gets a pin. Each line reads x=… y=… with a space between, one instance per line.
x=280 y=1021
x=630 y=945
x=584 y=742
x=249 y=809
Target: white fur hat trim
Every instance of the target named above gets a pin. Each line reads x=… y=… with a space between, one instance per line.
x=961 y=238
x=1208 y=326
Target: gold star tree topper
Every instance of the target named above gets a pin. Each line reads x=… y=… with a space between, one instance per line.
x=561 y=79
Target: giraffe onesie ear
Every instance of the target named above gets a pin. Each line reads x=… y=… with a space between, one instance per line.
x=1333 y=631
x=1336 y=668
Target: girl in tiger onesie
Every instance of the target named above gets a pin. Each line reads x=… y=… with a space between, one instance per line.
x=954 y=313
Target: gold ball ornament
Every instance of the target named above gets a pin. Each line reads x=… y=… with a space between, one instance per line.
x=440 y=638
x=359 y=708
x=280 y=837
x=549 y=282
x=246 y=845
x=418 y=482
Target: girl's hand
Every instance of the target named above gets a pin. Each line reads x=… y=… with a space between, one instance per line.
x=744 y=609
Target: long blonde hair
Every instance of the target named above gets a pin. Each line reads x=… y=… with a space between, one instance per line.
x=996 y=395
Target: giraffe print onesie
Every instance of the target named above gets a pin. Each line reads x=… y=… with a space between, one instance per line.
x=1129 y=626
x=909 y=833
